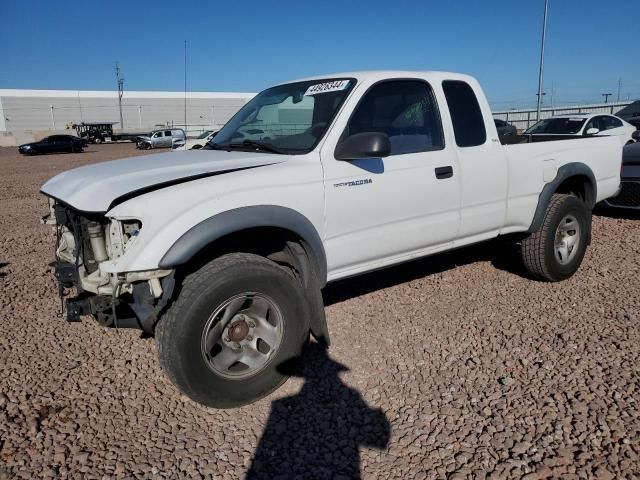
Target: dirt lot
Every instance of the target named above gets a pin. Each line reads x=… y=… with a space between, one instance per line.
x=451 y=367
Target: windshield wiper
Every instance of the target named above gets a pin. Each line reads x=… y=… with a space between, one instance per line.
x=245 y=144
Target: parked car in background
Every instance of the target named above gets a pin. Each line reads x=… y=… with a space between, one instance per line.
x=631 y=114
x=53 y=144
x=160 y=138
x=506 y=131
x=583 y=125
x=197 y=143
x=629 y=196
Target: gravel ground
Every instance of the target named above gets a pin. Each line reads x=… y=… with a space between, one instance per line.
x=451 y=367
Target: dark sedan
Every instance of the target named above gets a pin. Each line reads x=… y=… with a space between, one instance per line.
x=53 y=144
x=629 y=196
x=506 y=131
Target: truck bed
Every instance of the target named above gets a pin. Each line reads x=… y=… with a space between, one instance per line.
x=526 y=161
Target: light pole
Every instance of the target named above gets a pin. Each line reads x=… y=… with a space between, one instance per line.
x=541 y=71
x=185 y=86
x=606 y=96
x=120 y=82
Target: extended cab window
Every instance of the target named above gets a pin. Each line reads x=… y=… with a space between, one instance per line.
x=466 y=116
x=406 y=111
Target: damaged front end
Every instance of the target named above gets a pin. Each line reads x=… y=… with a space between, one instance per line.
x=122 y=300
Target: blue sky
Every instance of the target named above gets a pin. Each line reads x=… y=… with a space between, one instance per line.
x=249 y=45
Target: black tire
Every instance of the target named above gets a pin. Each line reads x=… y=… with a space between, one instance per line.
x=538 y=249
x=97 y=141
x=180 y=331
x=196 y=147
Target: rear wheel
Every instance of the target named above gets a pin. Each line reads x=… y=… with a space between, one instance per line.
x=234 y=322
x=555 y=252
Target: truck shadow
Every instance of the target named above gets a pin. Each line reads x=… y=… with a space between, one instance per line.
x=318 y=432
x=502 y=253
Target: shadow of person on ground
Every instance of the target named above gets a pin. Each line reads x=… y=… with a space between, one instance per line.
x=503 y=253
x=2 y=265
x=318 y=432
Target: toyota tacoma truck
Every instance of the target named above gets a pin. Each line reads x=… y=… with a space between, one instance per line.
x=221 y=253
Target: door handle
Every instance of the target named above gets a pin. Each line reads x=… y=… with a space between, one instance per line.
x=444 y=172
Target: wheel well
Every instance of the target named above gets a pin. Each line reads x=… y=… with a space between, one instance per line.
x=580 y=186
x=268 y=242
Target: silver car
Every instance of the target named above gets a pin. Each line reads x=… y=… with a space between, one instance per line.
x=160 y=138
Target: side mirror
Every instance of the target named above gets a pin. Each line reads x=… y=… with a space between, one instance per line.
x=364 y=145
x=592 y=131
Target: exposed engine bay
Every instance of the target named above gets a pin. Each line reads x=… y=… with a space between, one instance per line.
x=83 y=242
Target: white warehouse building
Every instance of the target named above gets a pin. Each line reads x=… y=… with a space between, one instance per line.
x=26 y=115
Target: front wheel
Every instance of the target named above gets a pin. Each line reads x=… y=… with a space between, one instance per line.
x=235 y=321
x=555 y=252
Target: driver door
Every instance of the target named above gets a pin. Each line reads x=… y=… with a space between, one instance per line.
x=383 y=210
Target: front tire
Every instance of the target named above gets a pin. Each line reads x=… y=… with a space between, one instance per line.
x=555 y=252
x=234 y=322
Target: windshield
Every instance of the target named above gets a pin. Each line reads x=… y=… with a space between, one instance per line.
x=288 y=119
x=204 y=134
x=565 y=126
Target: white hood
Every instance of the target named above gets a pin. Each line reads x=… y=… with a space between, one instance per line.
x=95 y=188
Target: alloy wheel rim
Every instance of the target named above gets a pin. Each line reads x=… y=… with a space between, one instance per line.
x=242 y=335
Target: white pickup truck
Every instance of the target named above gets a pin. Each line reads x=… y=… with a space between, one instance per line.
x=221 y=253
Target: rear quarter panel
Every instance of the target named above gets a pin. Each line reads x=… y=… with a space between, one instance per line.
x=532 y=165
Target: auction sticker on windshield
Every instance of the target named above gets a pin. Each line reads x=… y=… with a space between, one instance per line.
x=334 y=86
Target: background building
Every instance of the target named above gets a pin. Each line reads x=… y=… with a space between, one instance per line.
x=30 y=114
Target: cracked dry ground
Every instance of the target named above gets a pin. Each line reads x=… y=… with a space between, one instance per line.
x=452 y=367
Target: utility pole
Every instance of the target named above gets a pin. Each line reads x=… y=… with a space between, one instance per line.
x=185 y=86
x=606 y=96
x=619 y=87
x=120 y=92
x=541 y=71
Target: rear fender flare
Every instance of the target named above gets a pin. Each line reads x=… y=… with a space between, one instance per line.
x=564 y=172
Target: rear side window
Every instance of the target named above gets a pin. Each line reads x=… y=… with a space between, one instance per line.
x=468 y=123
x=406 y=111
x=612 y=122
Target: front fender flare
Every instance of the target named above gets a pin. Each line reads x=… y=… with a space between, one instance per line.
x=231 y=221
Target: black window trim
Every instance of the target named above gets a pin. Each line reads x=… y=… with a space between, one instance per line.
x=398 y=79
x=484 y=123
